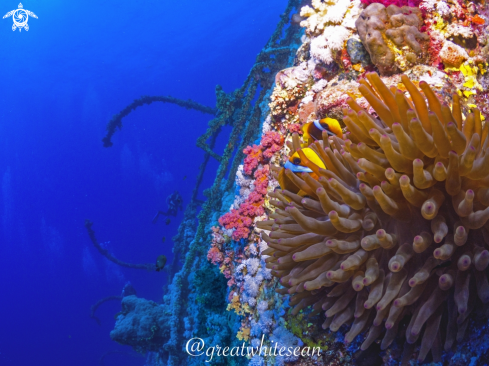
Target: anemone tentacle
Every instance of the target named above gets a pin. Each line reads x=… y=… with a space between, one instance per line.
x=399 y=220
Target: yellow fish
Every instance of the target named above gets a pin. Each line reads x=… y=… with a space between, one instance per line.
x=313 y=131
x=297 y=165
x=306 y=160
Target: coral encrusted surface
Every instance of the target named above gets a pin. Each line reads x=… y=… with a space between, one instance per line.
x=371 y=243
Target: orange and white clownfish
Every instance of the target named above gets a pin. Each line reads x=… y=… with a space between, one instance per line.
x=313 y=131
x=306 y=158
x=296 y=164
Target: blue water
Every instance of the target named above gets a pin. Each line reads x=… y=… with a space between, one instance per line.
x=61 y=82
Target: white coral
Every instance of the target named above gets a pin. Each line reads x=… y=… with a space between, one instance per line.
x=262 y=306
x=436 y=78
x=336 y=36
x=309 y=97
x=443 y=8
x=323 y=14
x=320 y=85
x=458 y=30
x=319 y=50
x=352 y=15
x=263 y=245
x=238 y=272
x=242 y=179
x=251 y=286
x=252 y=265
x=428 y=5
x=267 y=125
x=246 y=187
x=336 y=13
x=333 y=39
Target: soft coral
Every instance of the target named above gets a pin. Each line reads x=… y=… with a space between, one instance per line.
x=414 y=3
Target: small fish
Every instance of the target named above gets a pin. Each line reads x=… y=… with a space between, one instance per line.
x=167 y=221
x=442 y=265
x=163 y=239
x=313 y=131
x=296 y=163
x=185 y=177
x=160 y=262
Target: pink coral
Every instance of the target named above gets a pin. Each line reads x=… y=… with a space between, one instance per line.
x=214 y=255
x=253 y=205
x=271 y=142
x=386 y=3
x=261 y=180
x=254 y=157
x=242 y=218
x=236 y=220
x=295 y=127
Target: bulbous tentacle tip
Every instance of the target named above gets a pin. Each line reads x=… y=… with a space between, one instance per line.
x=355 y=218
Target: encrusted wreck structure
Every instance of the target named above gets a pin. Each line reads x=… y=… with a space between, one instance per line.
x=350 y=208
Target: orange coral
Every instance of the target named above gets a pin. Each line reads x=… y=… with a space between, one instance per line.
x=476 y=19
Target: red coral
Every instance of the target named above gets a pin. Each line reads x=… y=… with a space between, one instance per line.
x=320 y=72
x=434 y=50
x=231 y=282
x=345 y=59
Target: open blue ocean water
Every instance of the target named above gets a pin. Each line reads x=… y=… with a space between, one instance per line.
x=61 y=81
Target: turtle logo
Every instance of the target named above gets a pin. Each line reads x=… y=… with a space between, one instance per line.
x=20 y=17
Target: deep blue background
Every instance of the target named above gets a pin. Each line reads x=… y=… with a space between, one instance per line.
x=61 y=82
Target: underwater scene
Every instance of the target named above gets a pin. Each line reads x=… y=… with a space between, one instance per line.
x=260 y=183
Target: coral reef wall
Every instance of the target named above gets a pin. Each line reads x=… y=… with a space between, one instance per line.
x=379 y=238
x=353 y=216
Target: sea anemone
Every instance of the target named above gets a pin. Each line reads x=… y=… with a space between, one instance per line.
x=391 y=237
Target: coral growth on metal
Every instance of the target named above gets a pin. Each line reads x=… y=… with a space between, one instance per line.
x=377 y=236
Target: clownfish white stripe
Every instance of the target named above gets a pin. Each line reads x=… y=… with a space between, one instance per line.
x=321 y=128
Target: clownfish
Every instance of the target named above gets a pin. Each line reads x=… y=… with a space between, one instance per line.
x=296 y=165
x=313 y=131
